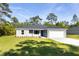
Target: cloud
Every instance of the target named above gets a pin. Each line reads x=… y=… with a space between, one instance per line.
x=63 y=11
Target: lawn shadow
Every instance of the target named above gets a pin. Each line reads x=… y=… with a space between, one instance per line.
x=42 y=48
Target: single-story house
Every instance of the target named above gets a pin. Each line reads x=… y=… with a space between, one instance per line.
x=38 y=30
x=73 y=30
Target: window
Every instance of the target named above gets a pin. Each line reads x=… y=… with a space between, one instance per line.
x=36 y=32
x=22 y=32
x=30 y=31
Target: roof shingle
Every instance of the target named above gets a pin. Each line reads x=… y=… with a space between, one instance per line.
x=39 y=26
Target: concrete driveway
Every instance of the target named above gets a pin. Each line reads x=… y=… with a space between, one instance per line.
x=68 y=41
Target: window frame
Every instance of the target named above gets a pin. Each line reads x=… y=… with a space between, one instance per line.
x=36 y=31
x=22 y=32
x=31 y=31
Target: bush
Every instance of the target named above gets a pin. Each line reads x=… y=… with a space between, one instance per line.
x=7 y=29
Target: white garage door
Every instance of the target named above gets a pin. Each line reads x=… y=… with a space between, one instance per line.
x=56 y=34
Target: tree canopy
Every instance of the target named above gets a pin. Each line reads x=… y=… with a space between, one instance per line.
x=6 y=28
x=4 y=11
x=75 y=18
x=35 y=19
x=52 y=18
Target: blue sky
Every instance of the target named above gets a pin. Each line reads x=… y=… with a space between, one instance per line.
x=64 y=11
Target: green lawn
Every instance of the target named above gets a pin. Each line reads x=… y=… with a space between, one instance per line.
x=9 y=42
x=73 y=36
x=11 y=45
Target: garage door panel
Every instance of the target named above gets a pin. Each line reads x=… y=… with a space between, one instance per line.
x=56 y=34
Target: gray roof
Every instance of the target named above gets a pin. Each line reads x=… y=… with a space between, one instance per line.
x=33 y=26
x=39 y=26
x=73 y=30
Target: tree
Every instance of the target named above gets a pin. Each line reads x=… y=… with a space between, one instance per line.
x=48 y=24
x=66 y=23
x=26 y=22
x=35 y=19
x=9 y=29
x=62 y=24
x=52 y=18
x=4 y=11
x=77 y=23
x=75 y=19
x=6 y=28
x=15 y=21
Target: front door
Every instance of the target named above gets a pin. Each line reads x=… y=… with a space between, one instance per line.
x=44 y=33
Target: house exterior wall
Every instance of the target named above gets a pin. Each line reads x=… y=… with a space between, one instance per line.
x=26 y=33
x=56 y=34
x=50 y=33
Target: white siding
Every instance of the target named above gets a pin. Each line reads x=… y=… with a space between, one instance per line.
x=26 y=33
x=50 y=33
x=56 y=34
x=18 y=33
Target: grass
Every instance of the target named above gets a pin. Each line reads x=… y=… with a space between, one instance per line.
x=11 y=45
x=9 y=42
x=73 y=36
